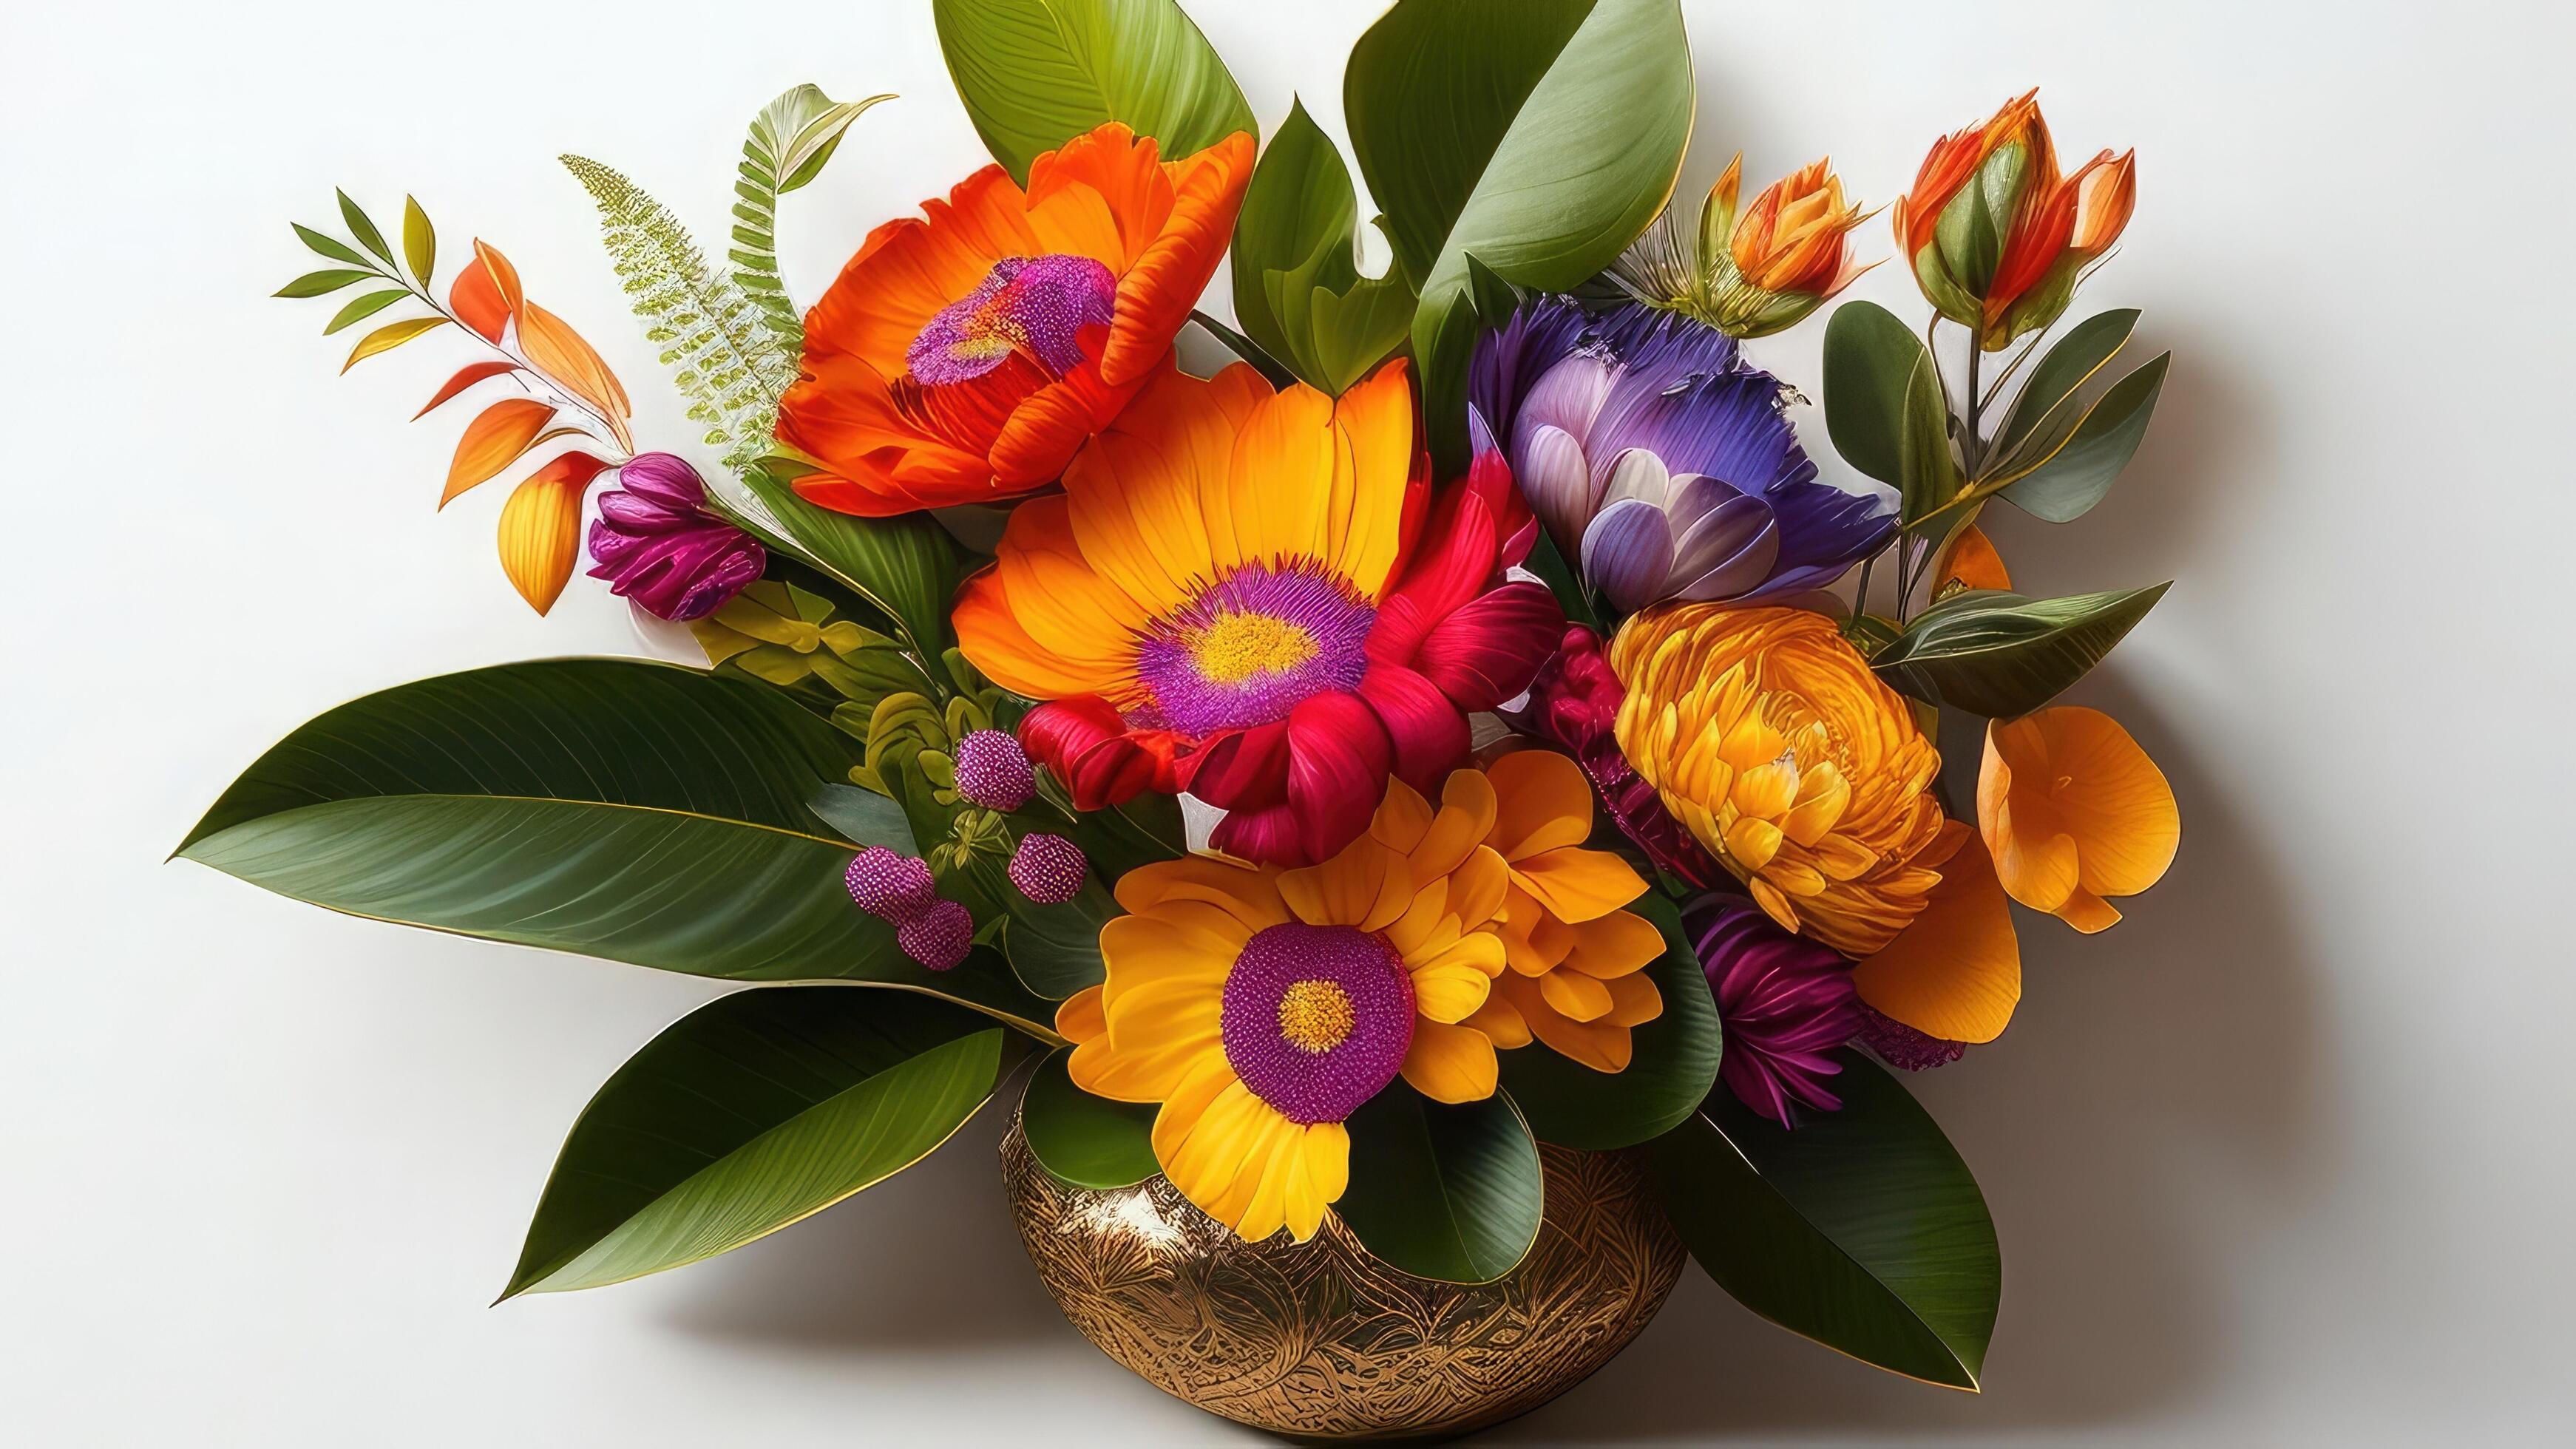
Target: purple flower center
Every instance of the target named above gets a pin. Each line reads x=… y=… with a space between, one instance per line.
x=1036 y=306
x=1317 y=1018
x=1252 y=646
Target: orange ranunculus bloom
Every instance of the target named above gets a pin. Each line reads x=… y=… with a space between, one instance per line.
x=1955 y=973
x=2074 y=811
x=965 y=357
x=1996 y=236
x=1764 y=733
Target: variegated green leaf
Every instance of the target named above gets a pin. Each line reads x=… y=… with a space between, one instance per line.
x=791 y=139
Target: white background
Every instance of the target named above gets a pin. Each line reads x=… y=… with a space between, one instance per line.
x=2283 y=1159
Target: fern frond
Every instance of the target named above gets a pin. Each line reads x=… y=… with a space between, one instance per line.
x=727 y=360
x=790 y=140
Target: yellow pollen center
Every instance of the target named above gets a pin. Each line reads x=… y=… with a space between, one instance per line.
x=1241 y=644
x=1315 y=1016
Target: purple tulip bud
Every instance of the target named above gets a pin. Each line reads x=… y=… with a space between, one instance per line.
x=657 y=543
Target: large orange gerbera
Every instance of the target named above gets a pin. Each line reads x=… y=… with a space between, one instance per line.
x=965 y=357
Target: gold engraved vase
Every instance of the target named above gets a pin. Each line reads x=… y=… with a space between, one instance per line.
x=1320 y=1340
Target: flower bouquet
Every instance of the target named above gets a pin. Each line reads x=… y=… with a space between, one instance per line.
x=1429 y=823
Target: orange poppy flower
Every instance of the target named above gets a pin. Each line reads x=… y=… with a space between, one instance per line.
x=1955 y=972
x=2074 y=811
x=965 y=357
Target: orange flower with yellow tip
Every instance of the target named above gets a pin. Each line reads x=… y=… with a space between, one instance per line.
x=965 y=357
x=1757 y=273
x=2074 y=811
x=1261 y=1007
x=1765 y=734
x=1955 y=972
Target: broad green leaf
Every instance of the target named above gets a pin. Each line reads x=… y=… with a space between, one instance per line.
x=1672 y=1071
x=1441 y=1192
x=316 y=284
x=420 y=242
x=616 y=808
x=1871 y=364
x=363 y=308
x=1055 y=950
x=1086 y=1140
x=790 y=140
x=2047 y=406
x=1297 y=285
x=363 y=229
x=336 y=250
x=727 y=359
x=752 y=1112
x=1586 y=156
x=865 y=817
x=1034 y=74
x=1995 y=653
x=1860 y=1228
x=1352 y=332
x=2067 y=484
x=906 y=567
x=389 y=337
x=1930 y=475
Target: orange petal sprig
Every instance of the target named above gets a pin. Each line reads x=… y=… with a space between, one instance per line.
x=2074 y=812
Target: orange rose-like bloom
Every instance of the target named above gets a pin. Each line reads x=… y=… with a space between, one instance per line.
x=1763 y=732
x=2074 y=811
x=966 y=357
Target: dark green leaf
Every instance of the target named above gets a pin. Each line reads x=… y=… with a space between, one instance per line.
x=316 y=284
x=336 y=250
x=1297 y=284
x=1674 y=1066
x=2047 y=406
x=1930 y=477
x=1860 y=1229
x=1571 y=595
x=2077 y=475
x=866 y=817
x=1086 y=1140
x=1441 y=1192
x=420 y=242
x=1995 y=653
x=616 y=808
x=363 y=229
x=1871 y=364
x=1034 y=74
x=906 y=567
x=363 y=308
x=1055 y=950
x=748 y=1114
x=1246 y=349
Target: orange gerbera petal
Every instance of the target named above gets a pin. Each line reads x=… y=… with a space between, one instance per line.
x=2074 y=811
x=1955 y=973
x=1545 y=803
x=1451 y=1063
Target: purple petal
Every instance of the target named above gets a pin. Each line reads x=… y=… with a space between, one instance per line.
x=1727 y=554
x=1627 y=553
x=1640 y=475
x=1567 y=398
x=1557 y=483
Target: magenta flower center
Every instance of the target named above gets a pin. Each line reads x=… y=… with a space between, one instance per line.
x=1034 y=306
x=1317 y=1019
x=1251 y=647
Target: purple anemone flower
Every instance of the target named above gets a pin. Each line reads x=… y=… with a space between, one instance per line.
x=1661 y=464
x=658 y=544
x=1784 y=1003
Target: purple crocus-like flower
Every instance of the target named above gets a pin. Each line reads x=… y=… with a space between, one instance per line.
x=1661 y=464
x=657 y=542
x=1784 y=1002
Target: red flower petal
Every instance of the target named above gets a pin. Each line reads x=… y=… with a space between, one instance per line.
x=1245 y=769
x=1090 y=748
x=1489 y=650
x=1338 y=755
x=1427 y=731
x=1265 y=835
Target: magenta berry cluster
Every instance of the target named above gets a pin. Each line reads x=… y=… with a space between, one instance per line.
x=993 y=771
x=898 y=890
x=1048 y=869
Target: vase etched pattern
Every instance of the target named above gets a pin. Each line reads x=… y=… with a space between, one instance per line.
x=1322 y=1340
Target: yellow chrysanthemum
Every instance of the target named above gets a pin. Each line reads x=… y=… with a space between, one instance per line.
x=1263 y=1007
x=1764 y=733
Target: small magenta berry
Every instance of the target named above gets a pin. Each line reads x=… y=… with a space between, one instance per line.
x=1048 y=869
x=939 y=937
x=993 y=771
x=888 y=886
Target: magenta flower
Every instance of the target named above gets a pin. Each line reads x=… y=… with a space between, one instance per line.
x=658 y=544
x=1785 y=1004
x=1573 y=704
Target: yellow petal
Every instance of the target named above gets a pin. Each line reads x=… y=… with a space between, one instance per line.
x=1372 y=471
x=1479 y=887
x=1577 y=884
x=1544 y=803
x=1575 y=996
x=1634 y=1000
x=2115 y=802
x=1752 y=843
x=1249 y=894
x=1450 y=1063
x=1500 y=1021
x=1601 y=1047
x=1079 y=1019
x=1450 y=991
x=540 y=534
x=2088 y=912
x=1367 y=886
x=1467 y=808
x=1139 y=950
x=1614 y=945
x=1955 y=973
x=1402 y=818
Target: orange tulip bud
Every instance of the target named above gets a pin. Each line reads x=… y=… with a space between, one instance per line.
x=1756 y=274
x=1791 y=239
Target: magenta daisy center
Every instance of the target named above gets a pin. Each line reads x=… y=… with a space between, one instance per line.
x=1317 y=1019
x=1252 y=647
x=1036 y=306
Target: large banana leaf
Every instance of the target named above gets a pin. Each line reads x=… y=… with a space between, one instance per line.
x=1674 y=1066
x=1541 y=144
x=1034 y=74
x=1451 y=1193
x=750 y=1113
x=1859 y=1228
x=617 y=808
x=1996 y=653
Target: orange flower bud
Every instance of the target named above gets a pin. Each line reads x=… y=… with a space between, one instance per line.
x=1757 y=273
x=1791 y=239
